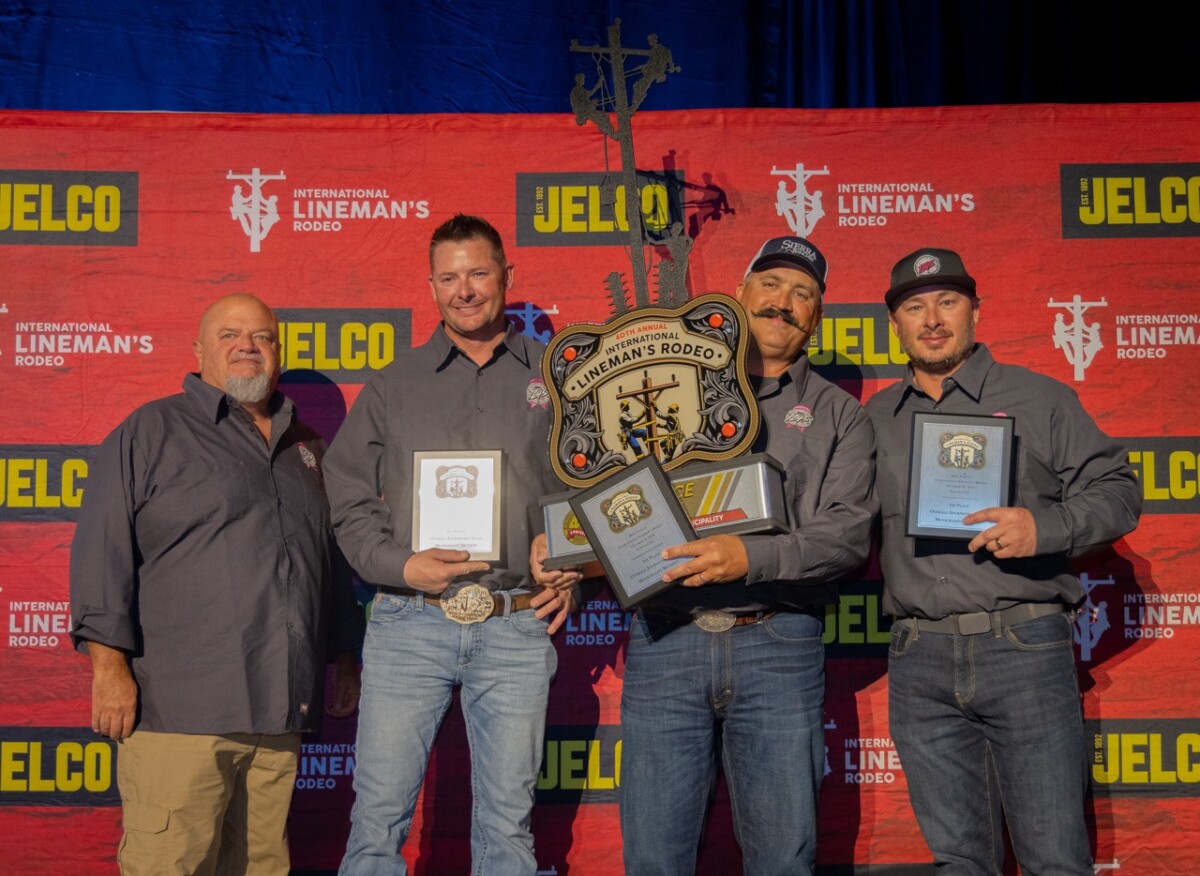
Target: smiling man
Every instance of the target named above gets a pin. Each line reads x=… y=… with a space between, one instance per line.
x=207 y=589
x=473 y=386
x=983 y=697
x=729 y=667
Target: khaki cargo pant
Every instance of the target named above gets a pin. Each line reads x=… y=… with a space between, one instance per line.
x=205 y=805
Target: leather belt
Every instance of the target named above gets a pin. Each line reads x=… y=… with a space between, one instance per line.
x=976 y=622
x=714 y=620
x=471 y=604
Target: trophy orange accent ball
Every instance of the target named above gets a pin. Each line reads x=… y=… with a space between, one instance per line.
x=570 y=353
x=716 y=320
x=579 y=460
x=728 y=430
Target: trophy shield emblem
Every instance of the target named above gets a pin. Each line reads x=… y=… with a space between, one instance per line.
x=664 y=382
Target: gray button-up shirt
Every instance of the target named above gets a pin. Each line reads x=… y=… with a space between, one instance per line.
x=209 y=557
x=1074 y=479
x=436 y=398
x=822 y=438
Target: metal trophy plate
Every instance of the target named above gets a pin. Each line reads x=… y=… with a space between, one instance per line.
x=668 y=384
x=664 y=382
x=458 y=501
x=958 y=464
x=630 y=518
x=739 y=496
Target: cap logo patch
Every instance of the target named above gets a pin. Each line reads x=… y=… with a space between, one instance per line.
x=805 y=252
x=926 y=265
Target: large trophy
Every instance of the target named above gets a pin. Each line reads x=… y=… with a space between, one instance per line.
x=654 y=416
x=657 y=388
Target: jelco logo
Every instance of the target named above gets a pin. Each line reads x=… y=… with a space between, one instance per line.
x=1146 y=757
x=51 y=766
x=589 y=209
x=1130 y=200
x=42 y=483
x=68 y=208
x=854 y=341
x=345 y=345
x=1169 y=472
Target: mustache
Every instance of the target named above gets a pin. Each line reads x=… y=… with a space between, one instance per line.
x=776 y=313
x=253 y=357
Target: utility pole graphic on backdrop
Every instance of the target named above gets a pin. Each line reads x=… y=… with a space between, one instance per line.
x=1079 y=341
x=598 y=103
x=256 y=213
x=799 y=208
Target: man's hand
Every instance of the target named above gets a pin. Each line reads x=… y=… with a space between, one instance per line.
x=555 y=579
x=114 y=692
x=1014 y=533
x=432 y=569
x=347 y=686
x=717 y=559
x=559 y=603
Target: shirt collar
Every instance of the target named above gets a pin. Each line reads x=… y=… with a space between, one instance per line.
x=969 y=377
x=216 y=404
x=442 y=349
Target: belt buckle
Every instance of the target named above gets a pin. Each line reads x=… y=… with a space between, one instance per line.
x=470 y=605
x=974 y=623
x=715 y=621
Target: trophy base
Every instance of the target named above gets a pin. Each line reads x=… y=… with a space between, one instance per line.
x=735 y=496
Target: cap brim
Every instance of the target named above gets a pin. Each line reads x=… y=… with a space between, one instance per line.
x=776 y=261
x=965 y=285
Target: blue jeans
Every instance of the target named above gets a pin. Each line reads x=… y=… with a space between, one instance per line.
x=413 y=658
x=753 y=696
x=992 y=723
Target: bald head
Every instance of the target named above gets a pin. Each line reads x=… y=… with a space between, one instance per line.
x=238 y=348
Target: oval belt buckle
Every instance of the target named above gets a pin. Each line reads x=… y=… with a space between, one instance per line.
x=470 y=605
x=715 y=621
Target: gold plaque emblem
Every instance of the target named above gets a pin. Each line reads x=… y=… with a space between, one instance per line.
x=664 y=382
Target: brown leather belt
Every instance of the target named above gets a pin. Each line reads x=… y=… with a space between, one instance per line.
x=976 y=622
x=471 y=604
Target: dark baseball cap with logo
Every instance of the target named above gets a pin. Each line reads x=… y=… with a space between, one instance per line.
x=929 y=268
x=791 y=252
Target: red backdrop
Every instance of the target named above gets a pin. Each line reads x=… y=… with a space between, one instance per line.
x=1080 y=223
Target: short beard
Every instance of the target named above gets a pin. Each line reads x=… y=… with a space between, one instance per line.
x=249 y=390
x=943 y=366
x=949 y=363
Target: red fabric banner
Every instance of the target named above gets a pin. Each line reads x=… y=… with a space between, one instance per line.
x=1080 y=223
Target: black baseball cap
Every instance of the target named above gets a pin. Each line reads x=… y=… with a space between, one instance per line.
x=929 y=268
x=791 y=252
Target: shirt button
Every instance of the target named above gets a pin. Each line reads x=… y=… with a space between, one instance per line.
x=943 y=580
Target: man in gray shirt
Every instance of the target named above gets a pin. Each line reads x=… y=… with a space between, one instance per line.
x=209 y=593
x=983 y=697
x=729 y=666
x=440 y=619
